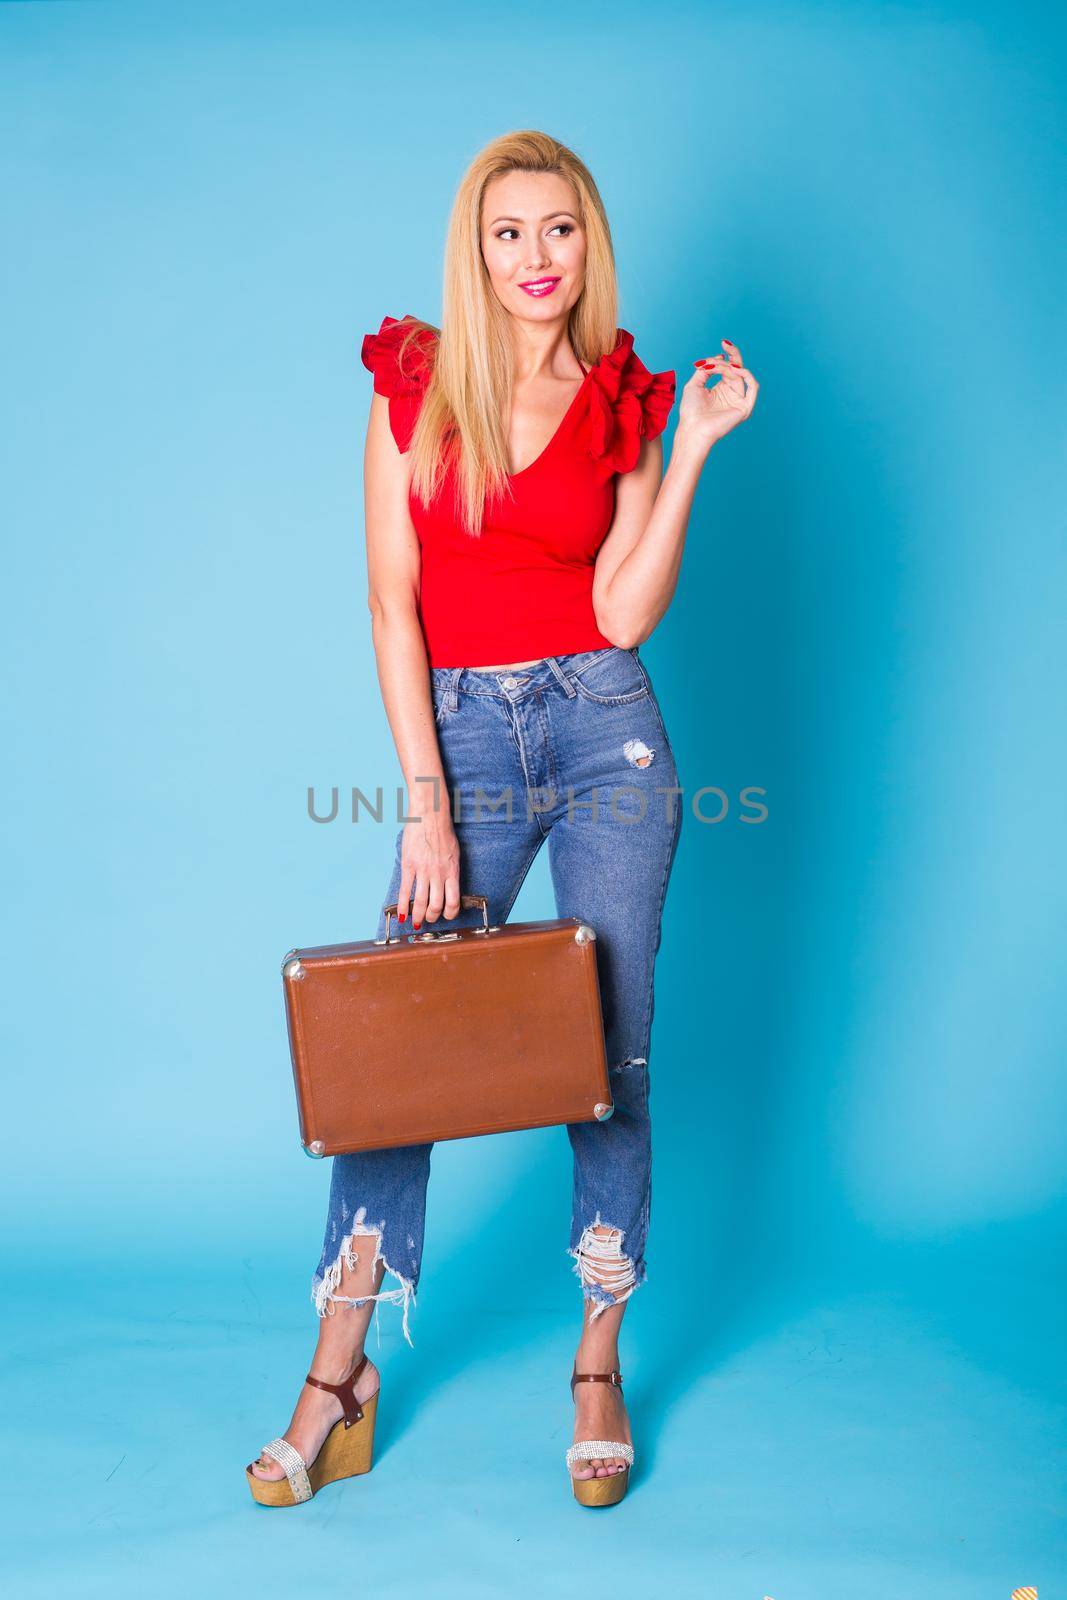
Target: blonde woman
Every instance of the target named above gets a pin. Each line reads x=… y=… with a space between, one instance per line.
x=523 y=541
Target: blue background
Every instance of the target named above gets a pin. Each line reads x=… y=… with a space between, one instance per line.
x=845 y=1371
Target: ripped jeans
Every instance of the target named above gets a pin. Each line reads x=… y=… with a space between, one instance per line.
x=572 y=750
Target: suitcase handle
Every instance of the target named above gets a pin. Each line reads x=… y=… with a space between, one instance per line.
x=467 y=902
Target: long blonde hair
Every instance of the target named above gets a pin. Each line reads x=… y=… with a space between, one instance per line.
x=468 y=396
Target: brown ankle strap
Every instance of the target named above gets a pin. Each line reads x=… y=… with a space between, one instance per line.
x=596 y=1377
x=345 y=1392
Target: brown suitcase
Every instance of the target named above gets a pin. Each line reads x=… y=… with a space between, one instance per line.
x=446 y=1034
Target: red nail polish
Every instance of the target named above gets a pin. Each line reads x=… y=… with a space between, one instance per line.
x=730 y=343
x=401 y=915
x=416 y=926
x=735 y=363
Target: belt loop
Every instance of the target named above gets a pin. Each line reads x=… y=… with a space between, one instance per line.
x=562 y=676
x=452 y=699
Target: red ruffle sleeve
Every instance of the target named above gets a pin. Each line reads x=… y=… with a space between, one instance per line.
x=400 y=370
x=627 y=403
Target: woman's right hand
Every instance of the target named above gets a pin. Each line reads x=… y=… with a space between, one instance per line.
x=429 y=866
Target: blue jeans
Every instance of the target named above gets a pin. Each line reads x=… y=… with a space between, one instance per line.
x=572 y=750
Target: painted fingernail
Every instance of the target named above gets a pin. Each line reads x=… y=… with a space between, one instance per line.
x=416 y=926
x=735 y=363
x=401 y=915
x=730 y=343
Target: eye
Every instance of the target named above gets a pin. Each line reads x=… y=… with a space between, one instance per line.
x=568 y=228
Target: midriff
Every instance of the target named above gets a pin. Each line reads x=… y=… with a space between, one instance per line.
x=508 y=666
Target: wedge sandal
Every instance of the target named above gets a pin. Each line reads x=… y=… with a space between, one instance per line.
x=347 y=1450
x=609 y=1490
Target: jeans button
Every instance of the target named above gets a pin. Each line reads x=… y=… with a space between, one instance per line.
x=509 y=683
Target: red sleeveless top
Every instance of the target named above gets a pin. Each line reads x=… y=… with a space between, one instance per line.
x=523 y=588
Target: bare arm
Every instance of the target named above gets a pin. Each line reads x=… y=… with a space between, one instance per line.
x=429 y=849
x=638 y=564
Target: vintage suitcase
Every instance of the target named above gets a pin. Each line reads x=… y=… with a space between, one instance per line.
x=446 y=1033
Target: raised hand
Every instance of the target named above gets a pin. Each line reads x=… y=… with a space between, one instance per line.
x=708 y=414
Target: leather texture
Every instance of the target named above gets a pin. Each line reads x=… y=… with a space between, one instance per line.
x=614 y=1378
x=418 y=1040
x=345 y=1392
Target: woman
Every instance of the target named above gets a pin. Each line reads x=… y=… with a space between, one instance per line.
x=522 y=542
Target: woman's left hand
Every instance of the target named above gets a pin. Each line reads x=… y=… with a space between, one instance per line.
x=707 y=415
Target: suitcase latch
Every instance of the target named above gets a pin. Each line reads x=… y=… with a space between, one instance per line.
x=433 y=938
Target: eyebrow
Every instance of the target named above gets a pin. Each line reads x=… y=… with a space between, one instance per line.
x=549 y=217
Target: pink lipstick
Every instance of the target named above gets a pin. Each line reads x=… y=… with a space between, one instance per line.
x=539 y=286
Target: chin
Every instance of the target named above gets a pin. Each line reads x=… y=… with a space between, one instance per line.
x=548 y=306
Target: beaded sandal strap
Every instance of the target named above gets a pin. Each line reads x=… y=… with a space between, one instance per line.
x=345 y=1392
x=600 y=1450
x=293 y=1465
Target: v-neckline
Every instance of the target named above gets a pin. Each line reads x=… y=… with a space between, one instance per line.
x=512 y=476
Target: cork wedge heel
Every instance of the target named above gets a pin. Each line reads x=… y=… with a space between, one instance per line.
x=607 y=1491
x=347 y=1450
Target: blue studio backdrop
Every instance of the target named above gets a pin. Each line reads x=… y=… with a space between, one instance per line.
x=844 y=1371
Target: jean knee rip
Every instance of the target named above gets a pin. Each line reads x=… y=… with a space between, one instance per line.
x=325 y=1286
x=608 y=1277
